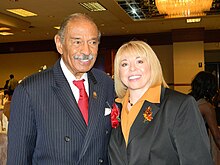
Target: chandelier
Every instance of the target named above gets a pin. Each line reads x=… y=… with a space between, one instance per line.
x=183 y=8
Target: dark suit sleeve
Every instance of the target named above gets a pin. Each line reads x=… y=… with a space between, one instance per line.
x=190 y=135
x=22 y=129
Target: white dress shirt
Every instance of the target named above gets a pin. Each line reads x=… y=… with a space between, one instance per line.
x=70 y=78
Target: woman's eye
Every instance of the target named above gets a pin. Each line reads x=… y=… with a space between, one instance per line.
x=140 y=61
x=124 y=64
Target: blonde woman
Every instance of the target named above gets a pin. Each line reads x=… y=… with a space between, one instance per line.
x=158 y=126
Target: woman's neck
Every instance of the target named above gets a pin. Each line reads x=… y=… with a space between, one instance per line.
x=135 y=95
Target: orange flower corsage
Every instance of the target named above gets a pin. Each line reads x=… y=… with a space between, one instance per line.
x=148 y=114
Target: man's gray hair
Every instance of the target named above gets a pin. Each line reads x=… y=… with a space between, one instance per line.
x=62 y=29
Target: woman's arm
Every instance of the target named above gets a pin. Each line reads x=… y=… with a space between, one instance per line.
x=208 y=112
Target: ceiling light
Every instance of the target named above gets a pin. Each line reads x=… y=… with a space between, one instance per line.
x=93 y=6
x=6 y=33
x=56 y=27
x=183 y=8
x=22 y=12
x=136 y=9
x=193 y=20
x=4 y=28
x=133 y=11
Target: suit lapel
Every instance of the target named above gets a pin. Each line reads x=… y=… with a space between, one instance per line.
x=63 y=91
x=119 y=140
x=140 y=124
x=123 y=147
x=96 y=94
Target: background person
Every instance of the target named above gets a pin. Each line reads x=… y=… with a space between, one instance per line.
x=6 y=84
x=7 y=103
x=46 y=125
x=204 y=89
x=12 y=84
x=158 y=125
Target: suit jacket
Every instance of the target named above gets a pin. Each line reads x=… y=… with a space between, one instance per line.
x=175 y=136
x=47 y=128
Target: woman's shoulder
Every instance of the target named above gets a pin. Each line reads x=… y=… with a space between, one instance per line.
x=202 y=101
x=204 y=104
x=176 y=95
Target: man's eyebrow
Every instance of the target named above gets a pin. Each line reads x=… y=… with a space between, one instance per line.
x=94 y=38
x=75 y=38
x=78 y=38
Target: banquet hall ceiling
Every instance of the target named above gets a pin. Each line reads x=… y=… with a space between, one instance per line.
x=113 y=21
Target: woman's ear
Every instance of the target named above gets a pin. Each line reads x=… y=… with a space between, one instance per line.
x=58 y=43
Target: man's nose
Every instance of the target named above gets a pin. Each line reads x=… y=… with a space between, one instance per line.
x=85 y=49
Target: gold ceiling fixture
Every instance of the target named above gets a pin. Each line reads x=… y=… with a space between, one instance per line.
x=183 y=8
x=22 y=12
x=6 y=33
x=193 y=20
x=4 y=28
x=93 y=6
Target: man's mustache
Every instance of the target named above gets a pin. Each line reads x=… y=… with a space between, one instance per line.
x=83 y=57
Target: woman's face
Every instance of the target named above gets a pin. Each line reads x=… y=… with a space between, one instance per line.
x=134 y=72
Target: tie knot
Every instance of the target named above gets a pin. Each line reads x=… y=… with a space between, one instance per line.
x=79 y=84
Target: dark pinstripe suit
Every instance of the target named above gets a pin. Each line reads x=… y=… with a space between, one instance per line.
x=47 y=128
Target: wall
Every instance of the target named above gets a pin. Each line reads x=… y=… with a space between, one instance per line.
x=186 y=57
x=167 y=46
x=165 y=55
x=24 y=64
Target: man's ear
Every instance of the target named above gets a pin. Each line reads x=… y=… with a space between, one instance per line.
x=58 y=43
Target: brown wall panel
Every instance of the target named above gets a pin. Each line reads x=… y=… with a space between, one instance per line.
x=114 y=42
x=185 y=35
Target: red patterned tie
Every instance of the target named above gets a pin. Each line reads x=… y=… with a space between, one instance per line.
x=83 y=99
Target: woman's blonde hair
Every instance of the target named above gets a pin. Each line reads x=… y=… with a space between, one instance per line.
x=142 y=49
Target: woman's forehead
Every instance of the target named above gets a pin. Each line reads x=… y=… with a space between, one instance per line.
x=133 y=53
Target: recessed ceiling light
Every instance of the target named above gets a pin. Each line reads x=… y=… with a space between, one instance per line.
x=193 y=20
x=22 y=12
x=93 y=6
x=4 y=28
x=6 y=33
x=57 y=27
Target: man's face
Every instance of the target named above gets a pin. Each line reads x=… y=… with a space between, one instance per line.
x=80 y=40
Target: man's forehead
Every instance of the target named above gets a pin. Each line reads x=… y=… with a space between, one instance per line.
x=83 y=38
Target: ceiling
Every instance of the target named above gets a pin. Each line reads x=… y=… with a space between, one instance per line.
x=113 y=21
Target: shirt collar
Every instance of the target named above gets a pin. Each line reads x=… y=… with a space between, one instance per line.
x=152 y=95
x=69 y=76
